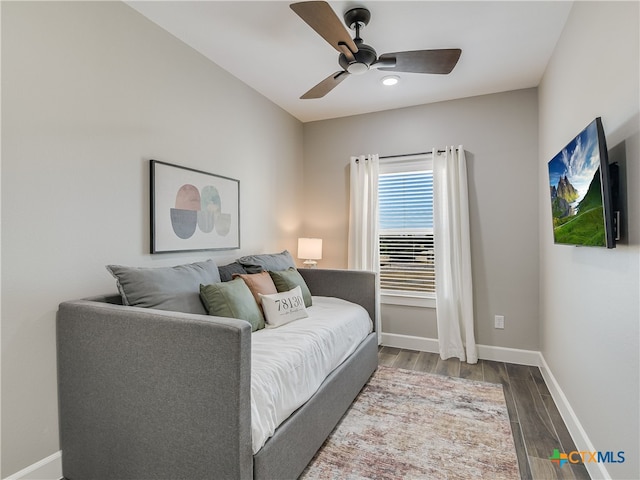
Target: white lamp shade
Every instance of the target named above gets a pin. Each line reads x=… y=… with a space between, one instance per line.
x=310 y=248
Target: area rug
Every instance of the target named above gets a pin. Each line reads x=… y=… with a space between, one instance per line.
x=414 y=425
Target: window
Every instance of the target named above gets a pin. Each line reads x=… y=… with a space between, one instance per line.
x=405 y=202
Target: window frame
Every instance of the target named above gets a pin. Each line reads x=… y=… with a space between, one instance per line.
x=406 y=164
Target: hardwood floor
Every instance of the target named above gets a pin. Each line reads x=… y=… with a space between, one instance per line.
x=536 y=424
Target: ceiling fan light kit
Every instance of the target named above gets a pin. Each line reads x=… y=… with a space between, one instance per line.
x=356 y=57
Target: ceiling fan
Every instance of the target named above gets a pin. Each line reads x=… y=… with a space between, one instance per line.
x=356 y=57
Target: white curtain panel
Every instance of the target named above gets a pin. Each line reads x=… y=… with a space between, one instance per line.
x=454 y=290
x=364 y=252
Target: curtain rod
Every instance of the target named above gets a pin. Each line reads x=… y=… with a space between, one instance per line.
x=412 y=154
x=407 y=155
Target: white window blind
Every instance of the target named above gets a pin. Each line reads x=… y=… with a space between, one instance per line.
x=407 y=263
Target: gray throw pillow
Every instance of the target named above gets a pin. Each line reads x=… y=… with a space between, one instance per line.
x=267 y=262
x=166 y=288
x=288 y=280
x=232 y=299
x=227 y=271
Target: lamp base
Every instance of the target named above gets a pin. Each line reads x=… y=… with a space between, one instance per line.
x=310 y=264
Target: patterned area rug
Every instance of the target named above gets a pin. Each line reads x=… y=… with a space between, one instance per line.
x=414 y=425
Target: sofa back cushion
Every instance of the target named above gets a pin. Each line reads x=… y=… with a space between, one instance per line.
x=166 y=288
x=228 y=271
x=267 y=262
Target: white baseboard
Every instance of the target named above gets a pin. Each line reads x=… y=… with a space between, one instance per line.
x=485 y=352
x=579 y=436
x=49 y=468
x=409 y=342
x=509 y=355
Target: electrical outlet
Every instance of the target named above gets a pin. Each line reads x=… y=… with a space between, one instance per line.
x=499 y=321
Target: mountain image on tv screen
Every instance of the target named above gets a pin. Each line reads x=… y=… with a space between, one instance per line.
x=576 y=192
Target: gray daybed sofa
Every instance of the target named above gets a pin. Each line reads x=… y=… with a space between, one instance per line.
x=153 y=394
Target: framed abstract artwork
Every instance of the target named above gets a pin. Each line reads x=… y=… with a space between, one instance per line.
x=193 y=210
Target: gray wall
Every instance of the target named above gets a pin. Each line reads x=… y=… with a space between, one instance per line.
x=500 y=134
x=590 y=297
x=90 y=92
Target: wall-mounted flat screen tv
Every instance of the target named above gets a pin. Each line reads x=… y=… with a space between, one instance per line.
x=579 y=183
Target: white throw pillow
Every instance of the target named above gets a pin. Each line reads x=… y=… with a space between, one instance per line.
x=285 y=307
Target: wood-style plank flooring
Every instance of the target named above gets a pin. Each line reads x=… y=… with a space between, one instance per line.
x=536 y=424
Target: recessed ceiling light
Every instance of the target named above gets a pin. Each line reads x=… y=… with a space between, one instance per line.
x=390 y=80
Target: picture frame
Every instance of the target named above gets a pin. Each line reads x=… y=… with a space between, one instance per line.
x=192 y=210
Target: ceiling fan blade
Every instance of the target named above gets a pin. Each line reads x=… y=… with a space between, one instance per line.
x=326 y=85
x=346 y=52
x=387 y=62
x=321 y=17
x=423 y=61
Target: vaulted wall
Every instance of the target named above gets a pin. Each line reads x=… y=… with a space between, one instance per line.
x=90 y=92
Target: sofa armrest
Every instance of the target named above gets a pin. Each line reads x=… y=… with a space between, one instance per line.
x=152 y=394
x=356 y=286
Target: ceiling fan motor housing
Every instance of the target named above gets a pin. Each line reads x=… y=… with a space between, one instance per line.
x=363 y=58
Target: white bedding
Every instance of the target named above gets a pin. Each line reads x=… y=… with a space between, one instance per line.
x=290 y=362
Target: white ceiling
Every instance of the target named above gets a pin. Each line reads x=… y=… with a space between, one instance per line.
x=505 y=46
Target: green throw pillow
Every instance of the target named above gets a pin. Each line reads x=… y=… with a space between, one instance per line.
x=286 y=280
x=232 y=299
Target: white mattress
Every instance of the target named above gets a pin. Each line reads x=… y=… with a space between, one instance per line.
x=290 y=362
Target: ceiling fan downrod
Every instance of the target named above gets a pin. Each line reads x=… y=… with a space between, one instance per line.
x=357 y=18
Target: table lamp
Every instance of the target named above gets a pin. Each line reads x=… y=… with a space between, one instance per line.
x=310 y=249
